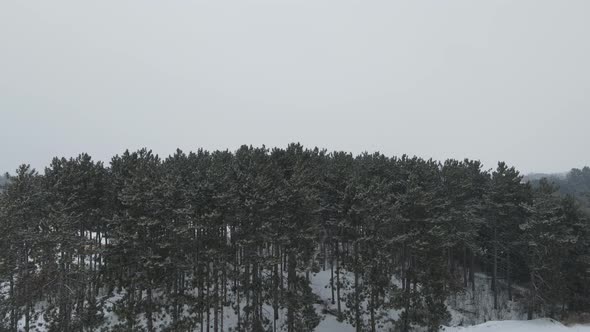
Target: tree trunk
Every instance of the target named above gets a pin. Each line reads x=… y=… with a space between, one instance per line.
x=208 y=298
x=357 y=304
x=216 y=301
x=275 y=292
x=13 y=319
x=472 y=272
x=175 y=310
x=238 y=309
x=224 y=298
x=324 y=256
x=201 y=283
x=149 y=309
x=131 y=308
x=508 y=276
x=495 y=272
x=373 y=304
x=292 y=281
x=464 y=266
x=338 y=280
x=255 y=295
x=532 y=295
x=406 y=320
x=332 y=275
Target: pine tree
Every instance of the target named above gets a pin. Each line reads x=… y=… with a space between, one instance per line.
x=298 y=202
x=550 y=230
x=506 y=199
x=180 y=240
x=463 y=188
x=23 y=202
x=138 y=243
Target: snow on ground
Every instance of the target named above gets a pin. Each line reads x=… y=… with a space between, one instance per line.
x=472 y=308
x=538 y=325
x=467 y=310
x=330 y=324
x=320 y=285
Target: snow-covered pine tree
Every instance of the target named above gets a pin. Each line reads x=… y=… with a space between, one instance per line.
x=505 y=201
x=23 y=203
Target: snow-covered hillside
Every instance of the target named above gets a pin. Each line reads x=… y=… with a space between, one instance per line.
x=538 y=325
x=470 y=312
x=474 y=312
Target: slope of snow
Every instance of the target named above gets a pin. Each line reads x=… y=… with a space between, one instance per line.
x=330 y=324
x=472 y=308
x=320 y=285
x=538 y=325
x=466 y=309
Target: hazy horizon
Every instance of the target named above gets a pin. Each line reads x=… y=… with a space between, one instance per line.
x=490 y=81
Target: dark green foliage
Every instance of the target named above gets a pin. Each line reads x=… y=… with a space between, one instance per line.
x=196 y=235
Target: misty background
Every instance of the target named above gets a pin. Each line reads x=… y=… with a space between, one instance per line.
x=494 y=80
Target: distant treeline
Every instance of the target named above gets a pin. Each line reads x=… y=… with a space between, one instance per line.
x=3 y=180
x=195 y=234
x=576 y=183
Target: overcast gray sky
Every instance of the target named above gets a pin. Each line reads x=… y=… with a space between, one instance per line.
x=488 y=80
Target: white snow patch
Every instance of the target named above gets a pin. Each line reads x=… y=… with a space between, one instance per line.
x=537 y=325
